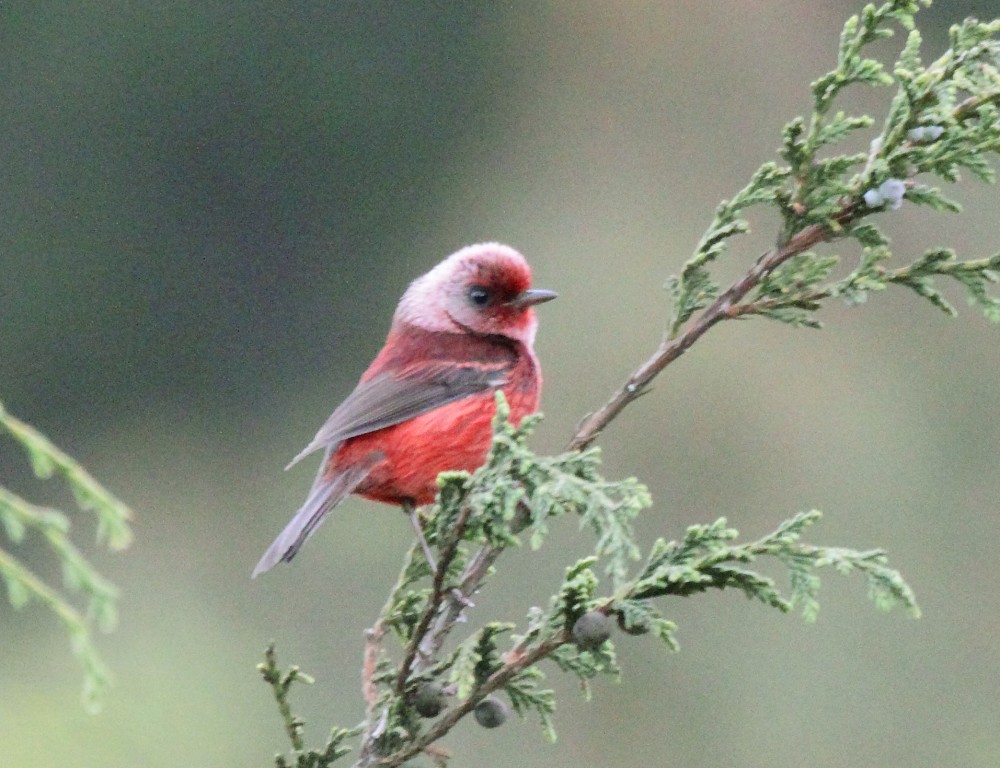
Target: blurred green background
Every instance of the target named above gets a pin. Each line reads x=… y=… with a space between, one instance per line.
x=209 y=210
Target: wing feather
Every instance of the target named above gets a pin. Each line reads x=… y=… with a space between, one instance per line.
x=325 y=494
x=384 y=400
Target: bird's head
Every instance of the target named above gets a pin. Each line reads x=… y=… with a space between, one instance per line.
x=482 y=289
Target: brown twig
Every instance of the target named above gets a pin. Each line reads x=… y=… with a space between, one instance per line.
x=468 y=585
x=721 y=309
x=494 y=682
x=447 y=617
x=373 y=637
x=414 y=647
x=968 y=108
x=427 y=640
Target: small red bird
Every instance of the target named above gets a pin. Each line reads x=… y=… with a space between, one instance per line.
x=425 y=404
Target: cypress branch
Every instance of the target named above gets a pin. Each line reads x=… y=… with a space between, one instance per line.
x=942 y=119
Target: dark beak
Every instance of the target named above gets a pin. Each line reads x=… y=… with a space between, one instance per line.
x=530 y=297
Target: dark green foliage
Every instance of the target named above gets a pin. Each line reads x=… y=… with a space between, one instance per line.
x=587 y=663
x=477 y=658
x=707 y=559
x=574 y=632
x=695 y=288
x=631 y=629
x=526 y=696
x=975 y=276
x=639 y=617
x=515 y=481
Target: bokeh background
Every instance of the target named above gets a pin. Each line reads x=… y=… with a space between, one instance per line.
x=208 y=212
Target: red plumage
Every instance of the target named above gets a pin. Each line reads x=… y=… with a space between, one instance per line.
x=426 y=403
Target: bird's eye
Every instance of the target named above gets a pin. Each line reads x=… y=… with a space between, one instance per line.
x=479 y=296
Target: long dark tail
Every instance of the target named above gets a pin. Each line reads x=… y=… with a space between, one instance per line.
x=324 y=496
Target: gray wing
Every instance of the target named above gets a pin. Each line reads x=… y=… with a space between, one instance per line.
x=385 y=400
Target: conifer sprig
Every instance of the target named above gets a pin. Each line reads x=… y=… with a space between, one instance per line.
x=20 y=519
x=943 y=119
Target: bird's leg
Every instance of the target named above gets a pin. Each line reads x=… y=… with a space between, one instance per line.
x=456 y=594
x=411 y=512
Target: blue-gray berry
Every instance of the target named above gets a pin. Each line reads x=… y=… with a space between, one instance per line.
x=491 y=712
x=591 y=630
x=429 y=699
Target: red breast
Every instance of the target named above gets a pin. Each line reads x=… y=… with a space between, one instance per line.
x=456 y=436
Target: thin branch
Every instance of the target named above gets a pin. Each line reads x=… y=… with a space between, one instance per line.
x=448 y=616
x=280 y=684
x=373 y=638
x=12 y=569
x=971 y=105
x=439 y=592
x=494 y=682
x=721 y=309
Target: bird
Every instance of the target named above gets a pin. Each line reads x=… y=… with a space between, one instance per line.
x=426 y=403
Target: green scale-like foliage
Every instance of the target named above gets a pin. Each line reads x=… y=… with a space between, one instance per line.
x=20 y=518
